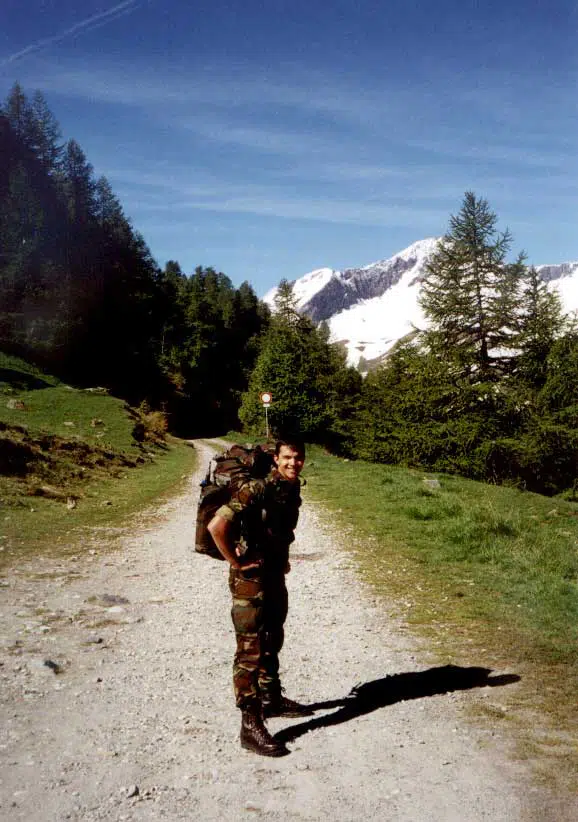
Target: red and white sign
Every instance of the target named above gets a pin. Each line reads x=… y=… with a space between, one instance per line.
x=266 y=398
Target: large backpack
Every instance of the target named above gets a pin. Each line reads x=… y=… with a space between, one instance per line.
x=226 y=471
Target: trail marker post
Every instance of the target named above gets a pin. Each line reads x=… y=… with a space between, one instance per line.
x=266 y=398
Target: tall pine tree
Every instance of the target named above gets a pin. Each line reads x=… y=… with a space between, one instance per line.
x=470 y=293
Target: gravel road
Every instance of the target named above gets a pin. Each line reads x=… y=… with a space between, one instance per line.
x=117 y=700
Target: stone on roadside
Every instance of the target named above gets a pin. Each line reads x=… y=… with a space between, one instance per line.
x=432 y=483
x=133 y=790
x=49 y=491
x=93 y=639
x=45 y=667
x=109 y=599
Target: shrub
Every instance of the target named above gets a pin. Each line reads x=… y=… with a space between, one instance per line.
x=150 y=425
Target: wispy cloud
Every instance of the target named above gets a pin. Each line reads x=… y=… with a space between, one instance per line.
x=309 y=147
x=289 y=93
x=287 y=141
x=296 y=114
x=95 y=21
x=264 y=203
x=158 y=195
x=181 y=194
x=557 y=155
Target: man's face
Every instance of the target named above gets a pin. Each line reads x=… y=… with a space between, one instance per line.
x=289 y=463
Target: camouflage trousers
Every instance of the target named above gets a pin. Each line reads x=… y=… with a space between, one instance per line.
x=259 y=612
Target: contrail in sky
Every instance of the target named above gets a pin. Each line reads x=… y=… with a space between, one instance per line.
x=97 y=20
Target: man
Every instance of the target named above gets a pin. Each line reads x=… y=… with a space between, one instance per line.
x=253 y=532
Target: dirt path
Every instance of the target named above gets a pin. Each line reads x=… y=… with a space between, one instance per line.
x=133 y=716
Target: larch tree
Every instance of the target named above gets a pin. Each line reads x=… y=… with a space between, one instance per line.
x=470 y=293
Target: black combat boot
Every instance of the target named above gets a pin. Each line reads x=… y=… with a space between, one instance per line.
x=275 y=703
x=255 y=736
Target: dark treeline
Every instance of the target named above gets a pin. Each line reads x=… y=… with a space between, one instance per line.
x=209 y=341
x=81 y=294
x=488 y=391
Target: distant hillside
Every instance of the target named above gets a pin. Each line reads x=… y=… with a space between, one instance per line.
x=54 y=438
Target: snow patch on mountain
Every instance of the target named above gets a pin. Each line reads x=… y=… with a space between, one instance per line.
x=563 y=278
x=309 y=285
x=369 y=309
x=372 y=327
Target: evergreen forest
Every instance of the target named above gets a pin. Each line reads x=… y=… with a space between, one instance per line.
x=487 y=391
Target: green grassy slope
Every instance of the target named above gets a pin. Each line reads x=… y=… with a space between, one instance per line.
x=485 y=575
x=68 y=458
x=495 y=554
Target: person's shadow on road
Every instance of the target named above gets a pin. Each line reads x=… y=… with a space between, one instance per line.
x=369 y=696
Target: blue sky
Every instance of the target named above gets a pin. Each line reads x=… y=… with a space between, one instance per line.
x=271 y=138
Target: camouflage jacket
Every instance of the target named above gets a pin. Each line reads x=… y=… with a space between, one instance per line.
x=265 y=512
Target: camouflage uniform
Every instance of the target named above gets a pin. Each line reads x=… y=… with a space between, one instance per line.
x=265 y=513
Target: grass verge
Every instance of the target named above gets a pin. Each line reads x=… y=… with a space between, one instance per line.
x=74 y=459
x=486 y=575
x=41 y=525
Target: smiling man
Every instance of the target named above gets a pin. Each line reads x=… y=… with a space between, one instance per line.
x=253 y=531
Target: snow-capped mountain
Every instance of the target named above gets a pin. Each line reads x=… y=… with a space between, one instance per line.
x=563 y=278
x=368 y=309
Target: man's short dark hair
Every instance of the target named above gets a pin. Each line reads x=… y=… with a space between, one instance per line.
x=296 y=443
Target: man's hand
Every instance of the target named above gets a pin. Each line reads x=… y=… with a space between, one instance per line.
x=245 y=566
x=221 y=531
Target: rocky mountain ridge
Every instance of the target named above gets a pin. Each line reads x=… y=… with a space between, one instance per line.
x=369 y=308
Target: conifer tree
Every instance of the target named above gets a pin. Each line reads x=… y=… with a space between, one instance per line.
x=19 y=114
x=559 y=391
x=286 y=304
x=541 y=322
x=46 y=134
x=470 y=293
x=108 y=211
x=77 y=182
x=305 y=374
